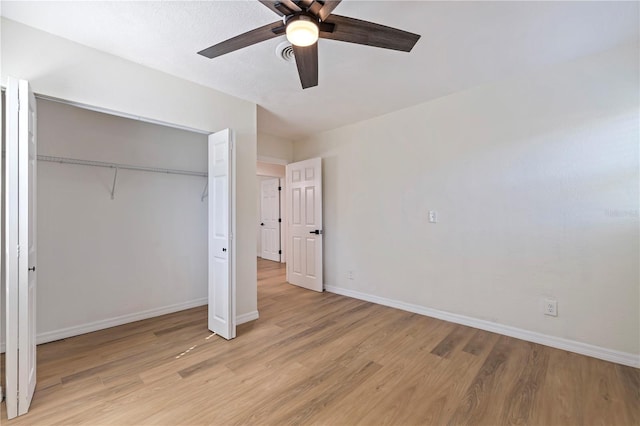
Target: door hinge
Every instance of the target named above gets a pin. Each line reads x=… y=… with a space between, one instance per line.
x=18 y=250
x=279 y=220
x=279 y=251
x=279 y=188
x=231 y=236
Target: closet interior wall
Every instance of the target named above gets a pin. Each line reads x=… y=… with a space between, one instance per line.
x=104 y=261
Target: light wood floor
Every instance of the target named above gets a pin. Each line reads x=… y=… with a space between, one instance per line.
x=316 y=358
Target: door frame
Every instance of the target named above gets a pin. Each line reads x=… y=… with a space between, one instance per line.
x=116 y=113
x=283 y=200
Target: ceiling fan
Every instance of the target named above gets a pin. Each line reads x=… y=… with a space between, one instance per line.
x=304 y=21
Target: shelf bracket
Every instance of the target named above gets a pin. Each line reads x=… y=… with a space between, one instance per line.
x=205 y=191
x=113 y=187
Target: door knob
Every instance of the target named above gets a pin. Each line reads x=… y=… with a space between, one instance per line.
x=317 y=232
x=262 y=224
x=224 y=249
x=33 y=268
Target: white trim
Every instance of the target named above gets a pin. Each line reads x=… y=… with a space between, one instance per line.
x=64 y=333
x=77 y=330
x=249 y=316
x=625 y=358
x=234 y=220
x=272 y=160
x=117 y=113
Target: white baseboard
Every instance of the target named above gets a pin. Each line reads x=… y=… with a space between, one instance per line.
x=624 y=358
x=77 y=330
x=63 y=333
x=249 y=316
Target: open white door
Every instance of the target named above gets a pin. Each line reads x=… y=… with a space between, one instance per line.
x=222 y=305
x=270 y=219
x=20 y=246
x=304 y=219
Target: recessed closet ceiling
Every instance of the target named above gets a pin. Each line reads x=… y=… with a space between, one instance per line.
x=463 y=44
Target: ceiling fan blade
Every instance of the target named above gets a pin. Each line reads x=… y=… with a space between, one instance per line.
x=276 y=6
x=328 y=7
x=243 y=40
x=312 y=6
x=364 y=32
x=291 y=5
x=307 y=63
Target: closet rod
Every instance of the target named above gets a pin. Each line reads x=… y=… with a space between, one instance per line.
x=63 y=160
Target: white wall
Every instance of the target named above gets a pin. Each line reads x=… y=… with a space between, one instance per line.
x=273 y=149
x=60 y=68
x=535 y=181
x=268 y=169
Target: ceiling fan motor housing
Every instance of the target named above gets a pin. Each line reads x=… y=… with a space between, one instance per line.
x=305 y=16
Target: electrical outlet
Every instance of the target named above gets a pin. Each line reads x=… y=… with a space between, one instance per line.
x=551 y=307
x=350 y=275
x=433 y=216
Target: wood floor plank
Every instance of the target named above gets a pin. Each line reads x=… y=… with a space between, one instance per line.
x=450 y=343
x=479 y=341
x=629 y=380
x=477 y=404
x=521 y=398
x=321 y=358
x=561 y=399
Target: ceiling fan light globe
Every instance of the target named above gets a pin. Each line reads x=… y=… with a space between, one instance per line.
x=302 y=32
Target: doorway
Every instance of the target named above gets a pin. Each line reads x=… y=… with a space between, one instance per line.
x=270 y=228
x=123 y=208
x=270 y=220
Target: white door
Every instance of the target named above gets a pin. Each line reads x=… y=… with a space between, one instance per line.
x=304 y=219
x=20 y=249
x=222 y=306
x=270 y=219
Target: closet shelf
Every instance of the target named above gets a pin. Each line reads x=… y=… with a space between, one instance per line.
x=117 y=166
x=63 y=160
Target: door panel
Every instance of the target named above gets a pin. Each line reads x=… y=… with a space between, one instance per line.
x=20 y=249
x=297 y=206
x=311 y=257
x=304 y=207
x=221 y=244
x=295 y=254
x=27 y=208
x=309 y=197
x=11 y=247
x=269 y=219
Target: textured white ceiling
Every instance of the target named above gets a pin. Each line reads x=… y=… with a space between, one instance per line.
x=463 y=44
